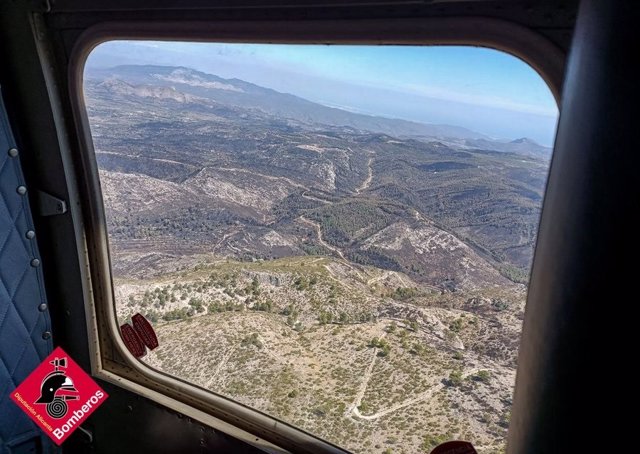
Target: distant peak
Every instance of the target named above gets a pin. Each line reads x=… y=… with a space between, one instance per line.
x=195 y=78
x=525 y=140
x=188 y=71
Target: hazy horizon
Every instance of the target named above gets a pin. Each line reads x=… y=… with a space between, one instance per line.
x=504 y=98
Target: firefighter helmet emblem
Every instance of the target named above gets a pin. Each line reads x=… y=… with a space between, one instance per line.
x=56 y=389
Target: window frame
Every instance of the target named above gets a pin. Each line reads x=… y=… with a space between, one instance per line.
x=110 y=359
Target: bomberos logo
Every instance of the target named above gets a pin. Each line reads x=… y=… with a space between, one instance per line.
x=58 y=395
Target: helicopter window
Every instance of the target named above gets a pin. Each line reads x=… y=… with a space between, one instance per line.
x=337 y=236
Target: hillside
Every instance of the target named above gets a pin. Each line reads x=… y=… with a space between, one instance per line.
x=236 y=92
x=361 y=277
x=350 y=354
x=245 y=167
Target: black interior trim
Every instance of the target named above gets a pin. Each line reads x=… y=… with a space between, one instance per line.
x=568 y=386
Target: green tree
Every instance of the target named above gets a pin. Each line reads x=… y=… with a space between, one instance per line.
x=455 y=379
x=483 y=376
x=456 y=325
x=325 y=317
x=431 y=441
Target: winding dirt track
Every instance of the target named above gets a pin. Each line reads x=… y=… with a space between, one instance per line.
x=267 y=177
x=353 y=408
x=366 y=183
x=316 y=226
x=219 y=366
x=310 y=197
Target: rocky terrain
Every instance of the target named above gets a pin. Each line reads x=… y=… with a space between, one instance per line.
x=364 y=357
x=362 y=278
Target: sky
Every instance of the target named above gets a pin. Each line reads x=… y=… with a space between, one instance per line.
x=481 y=89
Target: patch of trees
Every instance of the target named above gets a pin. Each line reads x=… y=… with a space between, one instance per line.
x=515 y=274
x=405 y=293
x=374 y=256
x=340 y=222
x=251 y=340
x=179 y=314
x=291 y=206
x=381 y=344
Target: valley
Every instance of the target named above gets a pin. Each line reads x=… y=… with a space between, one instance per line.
x=359 y=277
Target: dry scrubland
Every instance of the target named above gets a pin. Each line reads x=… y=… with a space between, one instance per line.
x=346 y=352
x=360 y=277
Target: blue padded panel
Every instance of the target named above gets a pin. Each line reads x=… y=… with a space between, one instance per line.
x=22 y=346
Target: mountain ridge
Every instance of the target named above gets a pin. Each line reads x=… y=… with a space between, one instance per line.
x=292 y=106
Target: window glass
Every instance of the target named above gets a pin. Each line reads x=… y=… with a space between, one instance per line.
x=337 y=236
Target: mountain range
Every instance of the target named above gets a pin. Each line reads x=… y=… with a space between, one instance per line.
x=239 y=93
x=177 y=147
